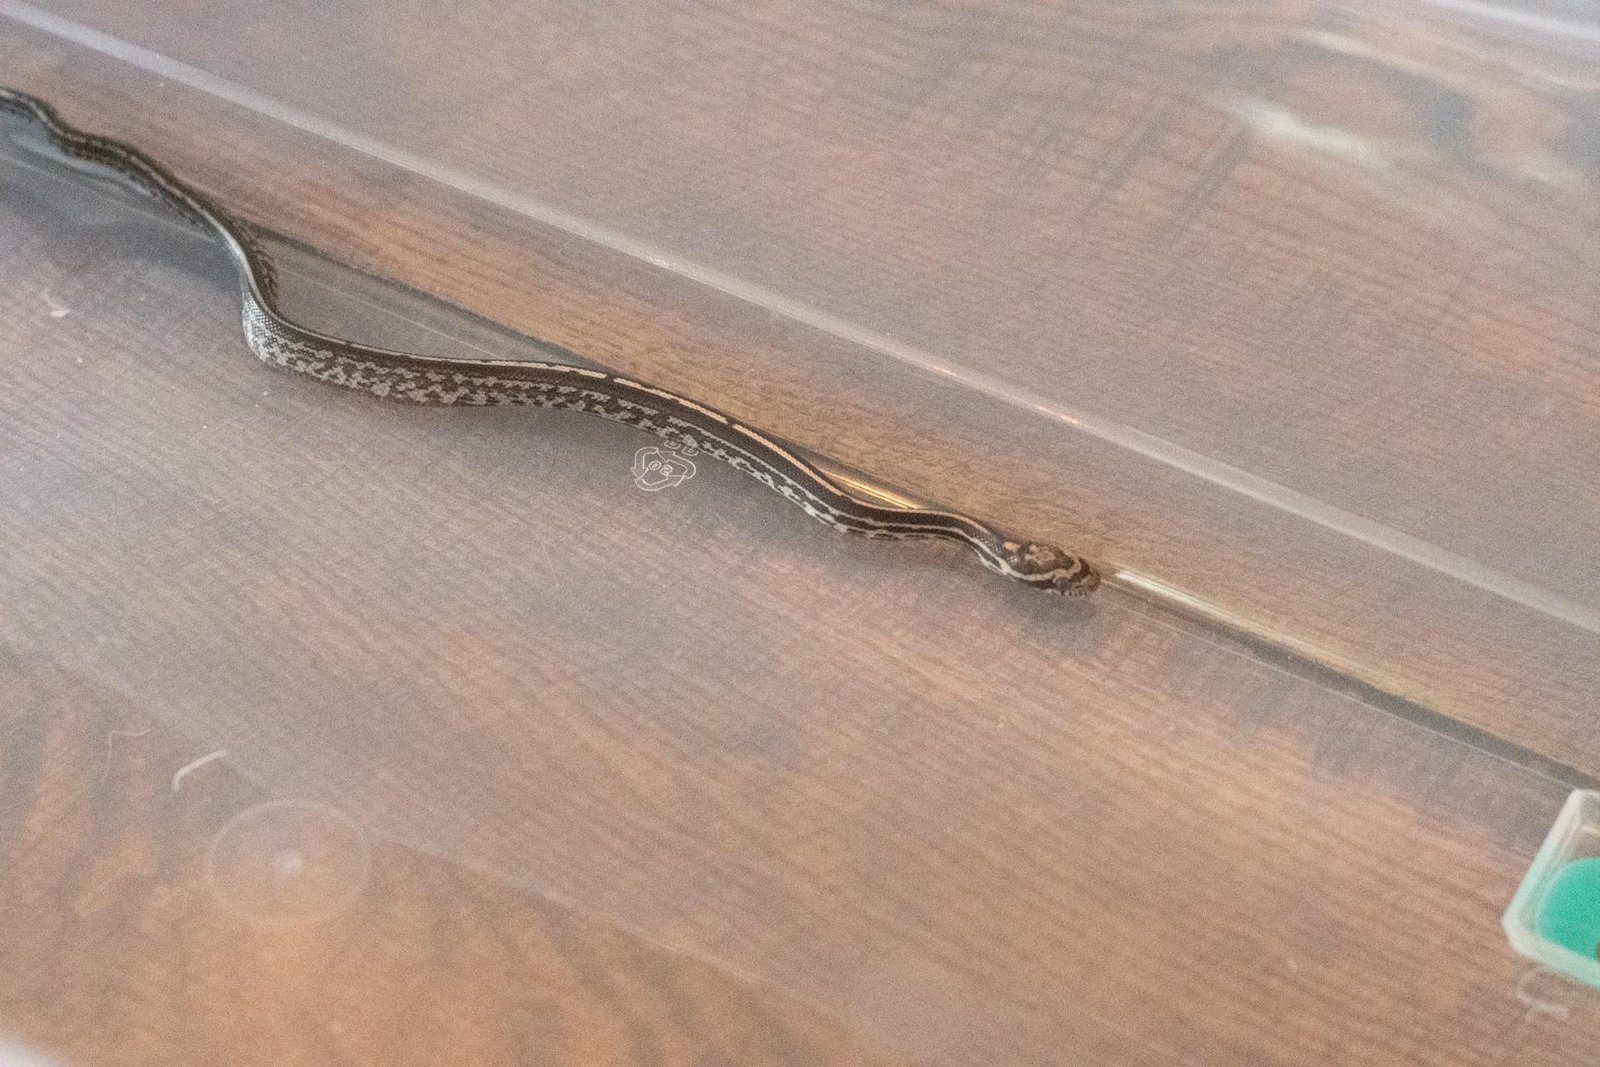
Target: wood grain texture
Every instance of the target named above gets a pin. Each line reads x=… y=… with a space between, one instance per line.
x=121 y=946
x=716 y=733
x=1343 y=252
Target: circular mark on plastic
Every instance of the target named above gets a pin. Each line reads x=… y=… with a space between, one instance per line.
x=288 y=863
x=655 y=468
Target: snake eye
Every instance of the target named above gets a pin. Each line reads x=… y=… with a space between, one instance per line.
x=1080 y=584
x=1057 y=570
x=1042 y=559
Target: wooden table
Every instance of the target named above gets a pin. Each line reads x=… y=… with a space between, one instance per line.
x=344 y=732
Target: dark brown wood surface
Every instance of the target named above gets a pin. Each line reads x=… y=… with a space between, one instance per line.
x=729 y=788
x=584 y=774
x=120 y=946
x=1340 y=252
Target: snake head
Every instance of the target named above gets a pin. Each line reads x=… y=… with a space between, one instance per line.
x=1048 y=567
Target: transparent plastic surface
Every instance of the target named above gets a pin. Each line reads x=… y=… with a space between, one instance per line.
x=365 y=676
x=1287 y=314
x=1338 y=260
x=1557 y=907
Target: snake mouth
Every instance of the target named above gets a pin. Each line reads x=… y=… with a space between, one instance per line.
x=1079 y=584
x=688 y=428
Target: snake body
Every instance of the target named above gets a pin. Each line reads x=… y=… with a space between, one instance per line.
x=421 y=379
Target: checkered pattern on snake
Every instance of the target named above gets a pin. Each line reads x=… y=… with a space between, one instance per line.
x=420 y=379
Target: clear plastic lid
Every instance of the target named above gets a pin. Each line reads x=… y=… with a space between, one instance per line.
x=1293 y=318
x=403 y=697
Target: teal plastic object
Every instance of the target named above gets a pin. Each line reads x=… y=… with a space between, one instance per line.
x=1570 y=912
x=1555 y=916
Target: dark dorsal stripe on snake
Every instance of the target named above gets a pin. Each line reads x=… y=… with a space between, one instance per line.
x=420 y=379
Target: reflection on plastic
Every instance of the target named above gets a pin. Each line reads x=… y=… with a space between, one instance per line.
x=288 y=863
x=20 y=1056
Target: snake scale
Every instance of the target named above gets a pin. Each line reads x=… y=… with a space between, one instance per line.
x=422 y=379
